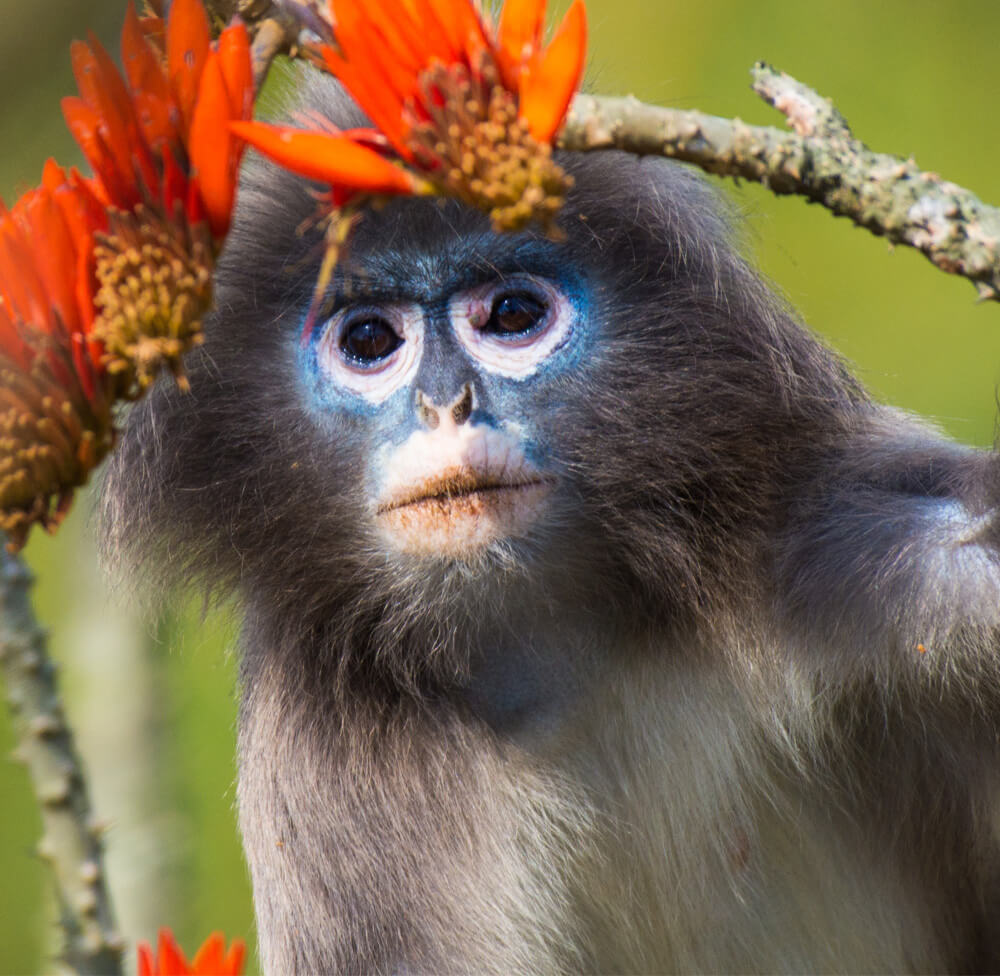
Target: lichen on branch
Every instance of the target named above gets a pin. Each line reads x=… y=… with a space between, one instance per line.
x=820 y=159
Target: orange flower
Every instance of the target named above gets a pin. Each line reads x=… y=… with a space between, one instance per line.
x=137 y=132
x=166 y=168
x=210 y=960
x=55 y=392
x=467 y=108
x=103 y=281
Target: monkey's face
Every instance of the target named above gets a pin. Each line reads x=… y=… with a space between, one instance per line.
x=451 y=376
x=469 y=409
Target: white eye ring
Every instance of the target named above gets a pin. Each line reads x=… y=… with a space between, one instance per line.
x=517 y=356
x=378 y=381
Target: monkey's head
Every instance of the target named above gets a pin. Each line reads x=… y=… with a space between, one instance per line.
x=604 y=411
x=449 y=358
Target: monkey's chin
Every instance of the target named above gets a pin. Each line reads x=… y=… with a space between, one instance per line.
x=461 y=514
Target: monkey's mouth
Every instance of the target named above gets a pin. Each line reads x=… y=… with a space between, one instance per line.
x=460 y=511
x=452 y=487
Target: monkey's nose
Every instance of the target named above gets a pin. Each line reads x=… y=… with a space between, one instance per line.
x=452 y=414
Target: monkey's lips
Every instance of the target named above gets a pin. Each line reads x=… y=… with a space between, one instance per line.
x=461 y=510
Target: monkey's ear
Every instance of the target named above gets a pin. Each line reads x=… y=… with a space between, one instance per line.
x=895 y=549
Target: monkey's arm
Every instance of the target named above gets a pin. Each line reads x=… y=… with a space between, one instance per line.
x=890 y=561
x=888 y=570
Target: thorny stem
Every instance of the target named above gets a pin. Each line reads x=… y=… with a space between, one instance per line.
x=820 y=160
x=71 y=837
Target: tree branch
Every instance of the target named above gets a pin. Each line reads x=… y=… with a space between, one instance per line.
x=71 y=838
x=820 y=160
x=276 y=26
x=272 y=38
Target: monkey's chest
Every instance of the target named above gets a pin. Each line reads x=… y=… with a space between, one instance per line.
x=699 y=855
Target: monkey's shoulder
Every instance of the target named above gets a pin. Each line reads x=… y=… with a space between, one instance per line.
x=895 y=546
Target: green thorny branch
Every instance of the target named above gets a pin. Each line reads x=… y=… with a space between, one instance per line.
x=71 y=839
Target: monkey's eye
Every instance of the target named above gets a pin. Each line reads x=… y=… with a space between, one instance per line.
x=371 y=350
x=515 y=315
x=512 y=326
x=369 y=340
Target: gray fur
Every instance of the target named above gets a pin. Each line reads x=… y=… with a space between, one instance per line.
x=685 y=724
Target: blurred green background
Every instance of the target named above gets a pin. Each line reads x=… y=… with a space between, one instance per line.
x=153 y=699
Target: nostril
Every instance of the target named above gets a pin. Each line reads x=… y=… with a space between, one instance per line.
x=427 y=411
x=453 y=414
x=462 y=409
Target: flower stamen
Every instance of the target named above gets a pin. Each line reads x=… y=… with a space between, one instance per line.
x=154 y=289
x=489 y=158
x=52 y=435
x=459 y=105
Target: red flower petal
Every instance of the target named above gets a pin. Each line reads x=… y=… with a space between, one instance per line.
x=84 y=215
x=234 y=59
x=211 y=146
x=54 y=255
x=380 y=64
x=146 y=965
x=134 y=149
x=188 y=43
x=233 y=963
x=519 y=36
x=175 y=185
x=326 y=158
x=170 y=961
x=104 y=92
x=547 y=87
x=142 y=66
x=212 y=959
x=209 y=958
x=21 y=288
x=450 y=30
x=86 y=127
x=157 y=120
x=382 y=107
x=404 y=40
x=442 y=33
x=465 y=30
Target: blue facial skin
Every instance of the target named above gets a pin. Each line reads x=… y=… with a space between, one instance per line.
x=445 y=365
x=509 y=687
